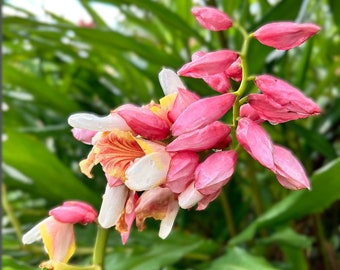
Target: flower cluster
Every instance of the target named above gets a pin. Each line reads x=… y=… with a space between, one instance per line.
x=178 y=153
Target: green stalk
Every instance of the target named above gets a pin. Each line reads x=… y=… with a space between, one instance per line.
x=227 y=213
x=9 y=211
x=100 y=247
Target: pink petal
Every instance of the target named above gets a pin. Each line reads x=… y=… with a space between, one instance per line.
x=203 y=204
x=144 y=122
x=74 y=212
x=286 y=95
x=83 y=135
x=289 y=171
x=181 y=170
x=212 y=18
x=255 y=140
x=129 y=216
x=213 y=173
x=183 y=100
x=200 y=139
x=285 y=35
x=202 y=113
x=235 y=70
x=219 y=82
x=248 y=111
x=209 y=64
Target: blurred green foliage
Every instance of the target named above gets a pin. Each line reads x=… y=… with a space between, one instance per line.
x=51 y=70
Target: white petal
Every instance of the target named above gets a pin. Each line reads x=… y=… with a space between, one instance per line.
x=189 y=197
x=148 y=172
x=97 y=123
x=169 y=81
x=33 y=234
x=112 y=206
x=168 y=221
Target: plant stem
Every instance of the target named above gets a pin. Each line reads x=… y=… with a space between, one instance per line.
x=227 y=213
x=322 y=241
x=9 y=211
x=100 y=247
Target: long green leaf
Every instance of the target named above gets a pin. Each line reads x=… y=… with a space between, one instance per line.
x=46 y=176
x=325 y=191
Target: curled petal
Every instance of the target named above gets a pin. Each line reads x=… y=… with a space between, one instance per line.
x=83 y=135
x=255 y=140
x=74 y=212
x=181 y=170
x=169 y=219
x=212 y=18
x=33 y=234
x=96 y=123
x=112 y=206
x=209 y=64
x=213 y=173
x=289 y=171
x=189 y=197
x=285 y=35
x=148 y=172
x=169 y=80
x=144 y=122
x=202 y=112
x=160 y=204
x=200 y=139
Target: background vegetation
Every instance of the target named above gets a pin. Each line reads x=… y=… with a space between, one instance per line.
x=51 y=70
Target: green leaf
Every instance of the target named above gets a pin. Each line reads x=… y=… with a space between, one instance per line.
x=45 y=175
x=325 y=190
x=157 y=254
x=238 y=259
x=335 y=10
x=9 y=263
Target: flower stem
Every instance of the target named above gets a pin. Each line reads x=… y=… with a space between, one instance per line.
x=100 y=247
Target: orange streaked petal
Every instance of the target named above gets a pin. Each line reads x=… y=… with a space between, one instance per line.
x=116 y=151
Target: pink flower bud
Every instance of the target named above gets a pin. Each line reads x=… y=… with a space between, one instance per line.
x=181 y=170
x=283 y=97
x=183 y=100
x=200 y=139
x=255 y=140
x=202 y=112
x=213 y=173
x=289 y=171
x=212 y=18
x=144 y=122
x=285 y=35
x=74 y=212
x=209 y=64
x=219 y=81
